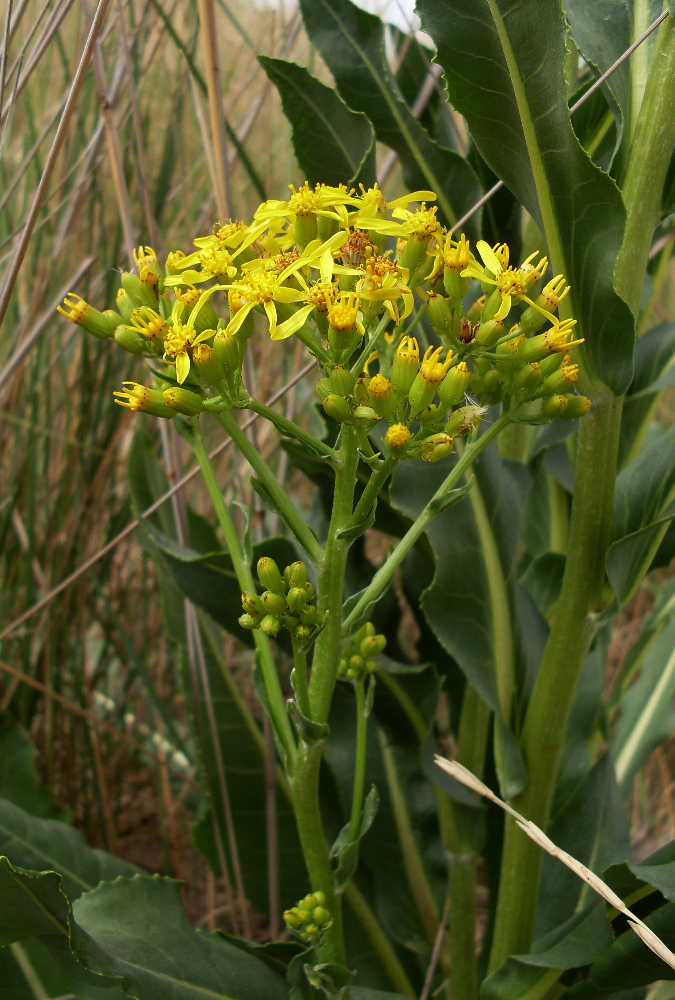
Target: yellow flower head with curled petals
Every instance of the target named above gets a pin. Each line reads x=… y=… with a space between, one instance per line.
x=511 y=282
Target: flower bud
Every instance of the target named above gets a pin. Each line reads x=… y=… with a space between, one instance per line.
x=553 y=362
x=428 y=414
x=270 y=577
x=249 y=622
x=356 y=662
x=273 y=604
x=381 y=396
x=184 y=401
x=297 y=573
x=270 y=625
x=252 y=604
x=365 y=413
x=492 y=306
x=405 y=365
x=372 y=645
x=553 y=407
x=577 y=406
x=439 y=311
x=131 y=340
x=337 y=408
x=125 y=306
x=476 y=310
x=139 y=293
x=489 y=333
x=527 y=377
x=467 y=332
x=454 y=386
x=456 y=257
x=207 y=364
x=296 y=598
x=397 y=439
x=341 y=381
x=101 y=324
x=427 y=381
x=226 y=349
x=464 y=420
x=436 y=447
x=323 y=388
x=555 y=340
x=308 y=615
x=561 y=380
x=415 y=257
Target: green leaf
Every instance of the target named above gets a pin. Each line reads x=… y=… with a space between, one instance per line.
x=136 y=929
x=45 y=967
x=346 y=851
x=19 y=780
x=352 y=43
x=31 y=904
x=311 y=732
x=647 y=718
x=36 y=844
x=644 y=505
x=579 y=941
x=332 y=144
x=654 y=371
x=504 y=69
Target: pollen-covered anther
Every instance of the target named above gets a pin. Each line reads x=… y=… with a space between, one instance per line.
x=342 y=313
x=357 y=249
x=140 y=399
x=432 y=369
x=321 y=294
x=456 y=253
x=553 y=293
x=145 y=257
x=379 y=387
x=148 y=322
x=189 y=297
x=304 y=201
x=397 y=438
x=76 y=308
x=215 y=260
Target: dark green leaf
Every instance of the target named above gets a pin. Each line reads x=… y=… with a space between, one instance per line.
x=32 y=904
x=647 y=717
x=579 y=941
x=136 y=930
x=654 y=355
x=345 y=850
x=332 y=144
x=48 y=961
x=504 y=68
x=352 y=43
x=543 y=579
x=644 y=504
x=38 y=844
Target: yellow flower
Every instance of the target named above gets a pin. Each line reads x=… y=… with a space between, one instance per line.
x=382 y=282
x=216 y=257
x=511 y=282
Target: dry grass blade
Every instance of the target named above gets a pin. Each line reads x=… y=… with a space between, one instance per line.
x=461 y=774
x=207 y=19
x=41 y=190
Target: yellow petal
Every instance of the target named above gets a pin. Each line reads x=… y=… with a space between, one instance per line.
x=271 y=311
x=413 y=196
x=182 y=366
x=540 y=309
x=285 y=294
x=504 y=308
x=327 y=265
x=292 y=324
x=489 y=257
x=204 y=297
x=239 y=317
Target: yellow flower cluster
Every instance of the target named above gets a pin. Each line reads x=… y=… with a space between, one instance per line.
x=350 y=275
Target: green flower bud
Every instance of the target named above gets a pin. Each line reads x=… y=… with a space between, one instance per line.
x=321 y=916
x=439 y=311
x=416 y=259
x=207 y=364
x=309 y=590
x=492 y=306
x=307 y=615
x=454 y=386
x=436 y=447
x=302 y=633
x=139 y=293
x=337 y=408
x=372 y=645
x=365 y=630
x=341 y=381
x=273 y=603
x=428 y=414
x=488 y=333
x=561 y=380
x=132 y=341
x=249 y=622
x=553 y=407
x=405 y=365
x=464 y=420
x=252 y=604
x=371 y=666
x=323 y=388
x=475 y=312
x=140 y=399
x=125 y=306
x=357 y=662
x=270 y=625
x=365 y=413
x=577 y=406
x=226 y=349
x=270 y=577
x=183 y=401
x=527 y=377
x=397 y=439
x=296 y=598
x=552 y=363
x=297 y=574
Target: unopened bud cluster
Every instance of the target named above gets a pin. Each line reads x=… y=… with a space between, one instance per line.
x=327 y=266
x=284 y=603
x=358 y=658
x=309 y=918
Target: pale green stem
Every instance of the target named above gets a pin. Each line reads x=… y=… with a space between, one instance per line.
x=289 y=512
x=277 y=703
x=386 y=572
x=359 y=761
x=371 y=492
x=290 y=429
x=547 y=717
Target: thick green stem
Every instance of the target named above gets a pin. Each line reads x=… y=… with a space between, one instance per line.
x=299 y=678
x=277 y=704
x=359 y=761
x=371 y=492
x=386 y=572
x=290 y=429
x=289 y=512
x=322 y=683
x=547 y=717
